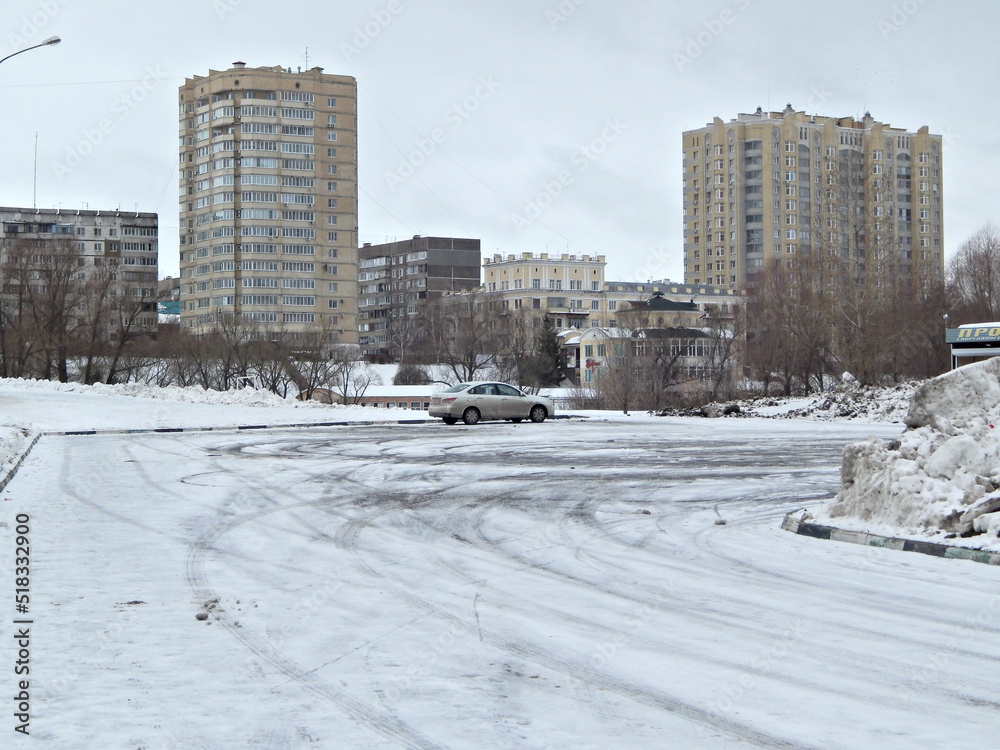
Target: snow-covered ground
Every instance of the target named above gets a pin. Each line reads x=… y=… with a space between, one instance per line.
x=46 y=406
x=563 y=585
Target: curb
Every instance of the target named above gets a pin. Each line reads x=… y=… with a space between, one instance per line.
x=935 y=549
x=243 y=427
x=17 y=463
x=234 y=428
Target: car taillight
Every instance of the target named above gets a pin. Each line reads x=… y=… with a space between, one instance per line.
x=448 y=400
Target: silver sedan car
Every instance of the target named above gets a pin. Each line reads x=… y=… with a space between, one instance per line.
x=472 y=402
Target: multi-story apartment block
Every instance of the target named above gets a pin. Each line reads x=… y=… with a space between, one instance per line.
x=396 y=279
x=776 y=186
x=268 y=200
x=573 y=292
x=101 y=240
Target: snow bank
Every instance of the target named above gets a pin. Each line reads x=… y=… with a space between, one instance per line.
x=942 y=476
x=194 y=394
x=13 y=441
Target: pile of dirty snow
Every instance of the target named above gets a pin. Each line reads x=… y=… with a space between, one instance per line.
x=847 y=400
x=942 y=476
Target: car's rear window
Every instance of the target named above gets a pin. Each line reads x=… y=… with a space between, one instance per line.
x=456 y=388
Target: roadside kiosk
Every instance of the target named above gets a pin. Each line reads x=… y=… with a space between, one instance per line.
x=973 y=343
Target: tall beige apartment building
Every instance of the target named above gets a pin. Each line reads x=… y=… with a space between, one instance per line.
x=776 y=186
x=268 y=201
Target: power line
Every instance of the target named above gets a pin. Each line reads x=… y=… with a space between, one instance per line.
x=71 y=83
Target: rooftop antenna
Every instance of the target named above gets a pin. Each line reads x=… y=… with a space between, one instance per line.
x=307 y=58
x=34 y=186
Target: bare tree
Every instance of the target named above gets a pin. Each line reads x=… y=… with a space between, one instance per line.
x=45 y=279
x=133 y=315
x=973 y=279
x=349 y=374
x=463 y=333
x=725 y=330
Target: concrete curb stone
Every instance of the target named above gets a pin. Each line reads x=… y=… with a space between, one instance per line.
x=936 y=549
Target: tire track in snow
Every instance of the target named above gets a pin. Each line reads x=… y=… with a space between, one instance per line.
x=380 y=721
x=347 y=539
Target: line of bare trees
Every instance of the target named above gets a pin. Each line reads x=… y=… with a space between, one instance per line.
x=845 y=305
x=811 y=324
x=649 y=364
x=68 y=316
x=59 y=308
x=474 y=336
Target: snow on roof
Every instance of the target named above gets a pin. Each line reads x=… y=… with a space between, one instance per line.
x=401 y=391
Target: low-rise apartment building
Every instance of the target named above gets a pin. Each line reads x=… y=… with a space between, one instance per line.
x=573 y=291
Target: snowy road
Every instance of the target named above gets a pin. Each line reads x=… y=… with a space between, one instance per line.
x=504 y=586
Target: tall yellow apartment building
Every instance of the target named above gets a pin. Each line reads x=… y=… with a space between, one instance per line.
x=268 y=200
x=773 y=186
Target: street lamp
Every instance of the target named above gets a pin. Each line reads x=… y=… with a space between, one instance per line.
x=47 y=43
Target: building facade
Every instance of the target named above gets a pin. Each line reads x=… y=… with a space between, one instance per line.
x=397 y=279
x=268 y=201
x=773 y=187
x=572 y=291
x=126 y=241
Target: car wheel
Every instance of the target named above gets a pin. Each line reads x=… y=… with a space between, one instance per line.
x=538 y=413
x=471 y=415
x=515 y=420
x=449 y=420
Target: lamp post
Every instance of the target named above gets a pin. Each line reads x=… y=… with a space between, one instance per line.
x=47 y=43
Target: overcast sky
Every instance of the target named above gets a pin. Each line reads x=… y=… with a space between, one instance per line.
x=558 y=122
